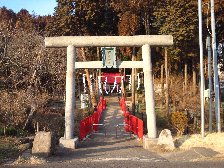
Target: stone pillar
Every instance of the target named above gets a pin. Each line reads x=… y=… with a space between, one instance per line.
x=68 y=141
x=70 y=93
x=149 y=91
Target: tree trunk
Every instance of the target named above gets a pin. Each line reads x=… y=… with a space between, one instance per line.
x=122 y=84
x=98 y=73
x=79 y=88
x=146 y=23
x=167 y=83
x=194 y=82
x=5 y=47
x=185 y=77
x=92 y=94
x=96 y=83
x=133 y=86
x=162 y=85
x=31 y=96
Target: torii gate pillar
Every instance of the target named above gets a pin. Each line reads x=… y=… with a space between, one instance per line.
x=149 y=91
x=68 y=141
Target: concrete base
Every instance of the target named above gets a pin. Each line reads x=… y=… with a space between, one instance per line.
x=68 y=143
x=149 y=142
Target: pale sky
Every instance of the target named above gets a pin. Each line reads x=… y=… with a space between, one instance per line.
x=40 y=7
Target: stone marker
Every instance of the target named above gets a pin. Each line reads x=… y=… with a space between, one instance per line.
x=166 y=139
x=44 y=144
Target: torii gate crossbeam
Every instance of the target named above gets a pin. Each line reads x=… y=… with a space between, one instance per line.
x=146 y=41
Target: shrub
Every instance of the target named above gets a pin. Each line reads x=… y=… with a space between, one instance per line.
x=1 y=131
x=179 y=122
x=11 y=131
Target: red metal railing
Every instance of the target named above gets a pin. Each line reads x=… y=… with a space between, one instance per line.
x=132 y=123
x=85 y=127
x=89 y=124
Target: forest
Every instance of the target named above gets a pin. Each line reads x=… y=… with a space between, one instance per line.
x=31 y=75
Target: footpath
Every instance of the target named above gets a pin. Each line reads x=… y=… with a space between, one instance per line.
x=114 y=146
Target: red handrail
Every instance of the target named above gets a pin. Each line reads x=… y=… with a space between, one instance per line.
x=132 y=123
x=86 y=124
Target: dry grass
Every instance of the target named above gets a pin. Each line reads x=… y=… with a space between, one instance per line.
x=214 y=141
x=32 y=160
x=8 y=149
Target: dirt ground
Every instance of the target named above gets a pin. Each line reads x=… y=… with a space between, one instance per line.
x=100 y=147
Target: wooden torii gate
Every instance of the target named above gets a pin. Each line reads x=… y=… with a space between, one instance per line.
x=144 y=41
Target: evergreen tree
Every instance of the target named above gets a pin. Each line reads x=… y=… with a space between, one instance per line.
x=180 y=19
x=83 y=18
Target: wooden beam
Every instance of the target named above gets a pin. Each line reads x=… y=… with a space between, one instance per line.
x=120 y=64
